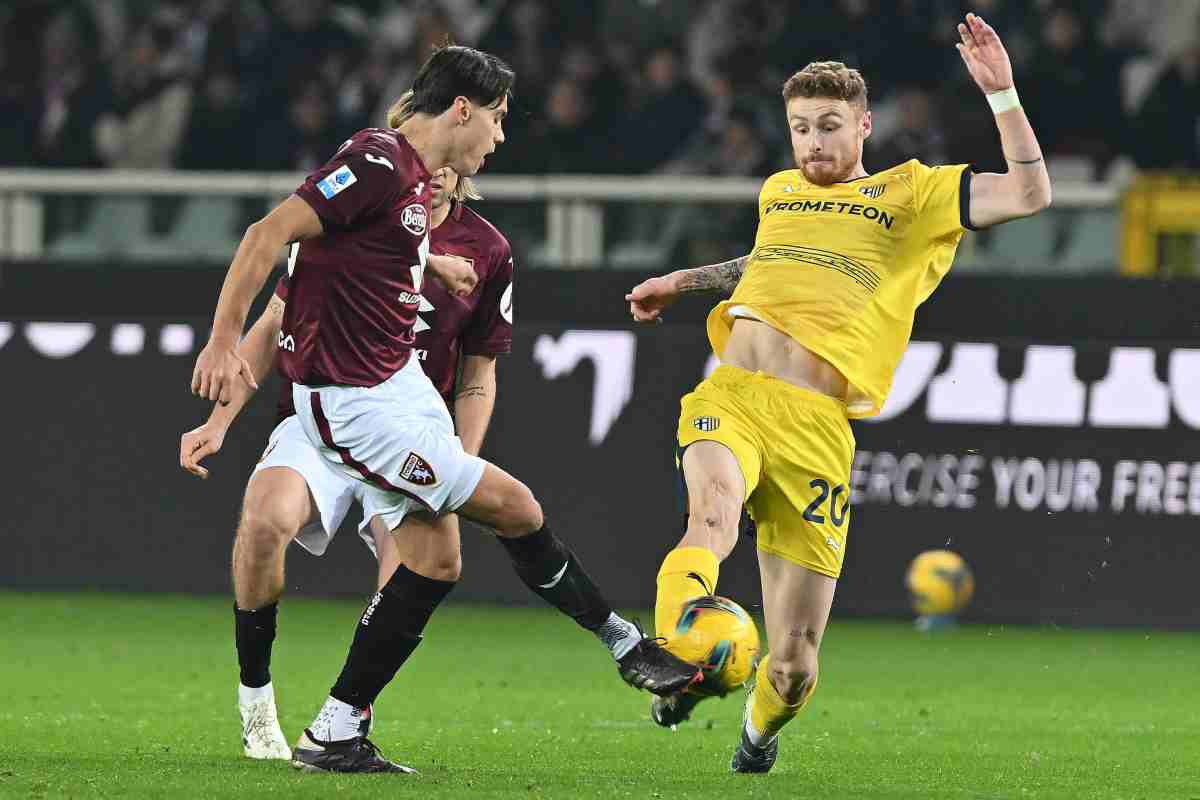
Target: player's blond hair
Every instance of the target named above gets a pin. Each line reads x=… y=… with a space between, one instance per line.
x=828 y=79
x=400 y=113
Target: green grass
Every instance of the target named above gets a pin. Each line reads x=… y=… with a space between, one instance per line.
x=134 y=696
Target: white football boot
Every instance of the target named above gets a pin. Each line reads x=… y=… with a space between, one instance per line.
x=262 y=737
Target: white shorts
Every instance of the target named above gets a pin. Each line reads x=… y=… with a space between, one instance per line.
x=332 y=491
x=395 y=439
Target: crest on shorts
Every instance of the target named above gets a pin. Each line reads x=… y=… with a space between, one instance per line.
x=414 y=219
x=872 y=191
x=706 y=424
x=417 y=470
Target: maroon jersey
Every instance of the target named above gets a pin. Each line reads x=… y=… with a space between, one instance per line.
x=449 y=327
x=355 y=290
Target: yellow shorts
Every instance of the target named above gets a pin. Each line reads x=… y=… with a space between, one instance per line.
x=794 y=447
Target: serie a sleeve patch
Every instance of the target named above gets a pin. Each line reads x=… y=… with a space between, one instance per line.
x=336 y=181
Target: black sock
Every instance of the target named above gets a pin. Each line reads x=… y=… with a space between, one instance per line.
x=550 y=569
x=388 y=632
x=254 y=632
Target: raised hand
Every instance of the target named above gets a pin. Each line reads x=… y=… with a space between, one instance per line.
x=984 y=54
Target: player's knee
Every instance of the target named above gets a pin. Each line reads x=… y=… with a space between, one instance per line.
x=520 y=513
x=265 y=527
x=793 y=678
x=440 y=567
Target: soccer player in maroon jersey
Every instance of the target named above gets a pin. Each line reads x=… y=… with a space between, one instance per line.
x=361 y=222
x=294 y=495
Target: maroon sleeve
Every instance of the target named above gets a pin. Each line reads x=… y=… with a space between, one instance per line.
x=490 y=330
x=362 y=179
x=281 y=288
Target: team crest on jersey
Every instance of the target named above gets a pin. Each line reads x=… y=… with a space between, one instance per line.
x=414 y=219
x=706 y=424
x=872 y=191
x=417 y=470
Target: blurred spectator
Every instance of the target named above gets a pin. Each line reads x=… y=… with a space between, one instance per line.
x=144 y=126
x=669 y=110
x=71 y=93
x=736 y=148
x=302 y=36
x=528 y=36
x=568 y=140
x=1166 y=130
x=308 y=133
x=217 y=137
x=1072 y=92
x=918 y=134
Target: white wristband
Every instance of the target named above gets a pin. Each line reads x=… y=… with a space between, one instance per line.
x=1005 y=100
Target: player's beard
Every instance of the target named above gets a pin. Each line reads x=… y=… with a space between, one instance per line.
x=824 y=172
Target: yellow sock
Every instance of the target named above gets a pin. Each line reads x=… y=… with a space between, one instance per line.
x=676 y=587
x=770 y=712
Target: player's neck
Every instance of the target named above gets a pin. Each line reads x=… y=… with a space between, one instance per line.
x=440 y=214
x=422 y=135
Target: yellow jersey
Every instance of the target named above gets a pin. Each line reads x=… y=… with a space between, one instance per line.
x=842 y=268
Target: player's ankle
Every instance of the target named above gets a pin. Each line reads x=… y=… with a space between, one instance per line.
x=337 y=721
x=619 y=635
x=248 y=695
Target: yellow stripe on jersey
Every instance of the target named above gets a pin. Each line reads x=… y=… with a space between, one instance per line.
x=842 y=268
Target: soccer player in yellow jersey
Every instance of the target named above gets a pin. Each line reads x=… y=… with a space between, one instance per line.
x=821 y=312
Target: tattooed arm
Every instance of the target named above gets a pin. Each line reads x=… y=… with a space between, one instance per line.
x=474 y=400
x=650 y=298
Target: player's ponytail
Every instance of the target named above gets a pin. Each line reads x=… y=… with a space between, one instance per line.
x=465 y=190
x=401 y=111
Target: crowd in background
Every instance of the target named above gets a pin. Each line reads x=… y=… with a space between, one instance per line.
x=610 y=86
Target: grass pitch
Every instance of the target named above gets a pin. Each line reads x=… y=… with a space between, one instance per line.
x=134 y=696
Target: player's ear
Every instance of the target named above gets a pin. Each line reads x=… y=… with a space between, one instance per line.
x=866 y=123
x=462 y=110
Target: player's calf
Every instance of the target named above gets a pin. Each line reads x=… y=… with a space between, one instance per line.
x=548 y=567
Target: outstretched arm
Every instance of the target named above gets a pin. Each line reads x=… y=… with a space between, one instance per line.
x=258 y=349
x=651 y=297
x=1025 y=189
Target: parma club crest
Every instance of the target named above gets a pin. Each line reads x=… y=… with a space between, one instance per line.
x=706 y=424
x=872 y=192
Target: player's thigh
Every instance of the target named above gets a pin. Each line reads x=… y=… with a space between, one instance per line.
x=429 y=546
x=796 y=604
x=503 y=503
x=714 y=479
x=295 y=492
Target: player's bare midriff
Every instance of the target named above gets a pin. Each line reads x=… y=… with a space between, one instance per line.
x=757 y=347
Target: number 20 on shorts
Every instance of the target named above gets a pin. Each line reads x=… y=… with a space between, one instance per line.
x=836 y=515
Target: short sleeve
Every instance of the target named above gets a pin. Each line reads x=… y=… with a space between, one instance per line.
x=360 y=181
x=762 y=194
x=490 y=330
x=943 y=196
x=281 y=288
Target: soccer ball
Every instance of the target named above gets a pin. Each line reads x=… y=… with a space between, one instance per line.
x=939 y=583
x=717 y=635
